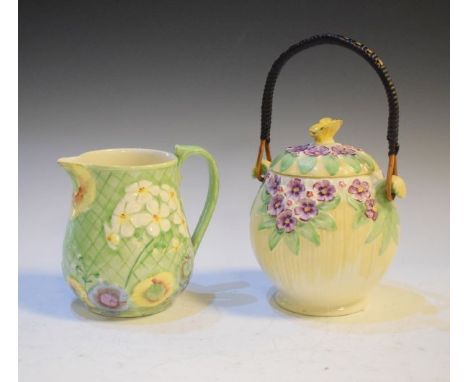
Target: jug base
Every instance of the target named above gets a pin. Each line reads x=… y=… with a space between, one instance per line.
x=305 y=309
x=129 y=314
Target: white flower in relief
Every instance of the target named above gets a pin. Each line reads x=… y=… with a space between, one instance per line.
x=112 y=237
x=179 y=220
x=122 y=218
x=141 y=192
x=175 y=245
x=155 y=219
x=169 y=195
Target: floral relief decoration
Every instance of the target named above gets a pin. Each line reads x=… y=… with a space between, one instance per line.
x=84 y=191
x=378 y=210
x=152 y=215
x=321 y=150
x=335 y=159
x=292 y=208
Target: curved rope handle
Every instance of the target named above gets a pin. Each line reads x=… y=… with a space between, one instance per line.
x=374 y=61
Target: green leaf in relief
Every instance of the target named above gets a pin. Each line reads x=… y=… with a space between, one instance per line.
x=160 y=244
x=309 y=232
x=395 y=217
x=353 y=162
x=328 y=206
x=286 y=162
x=324 y=221
x=360 y=219
x=380 y=195
x=332 y=165
x=274 y=238
x=306 y=163
x=139 y=233
x=377 y=229
x=262 y=209
x=357 y=205
x=265 y=195
x=276 y=160
x=385 y=242
x=292 y=241
x=395 y=233
x=263 y=202
x=367 y=160
x=269 y=222
x=168 y=236
x=394 y=225
x=384 y=205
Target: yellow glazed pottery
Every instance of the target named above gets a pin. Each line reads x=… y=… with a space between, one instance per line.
x=324 y=226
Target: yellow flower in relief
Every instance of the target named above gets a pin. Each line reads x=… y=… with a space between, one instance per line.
x=154 y=290
x=179 y=220
x=85 y=189
x=324 y=131
x=398 y=186
x=175 y=245
x=79 y=290
x=186 y=268
x=112 y=237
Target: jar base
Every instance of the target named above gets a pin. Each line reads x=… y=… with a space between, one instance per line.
x=305 y=309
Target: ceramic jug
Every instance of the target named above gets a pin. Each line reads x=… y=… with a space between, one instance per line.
x=324 y=226
x=127 y=250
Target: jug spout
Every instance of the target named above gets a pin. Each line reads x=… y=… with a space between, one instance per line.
x=84 y=187
x=64 y=161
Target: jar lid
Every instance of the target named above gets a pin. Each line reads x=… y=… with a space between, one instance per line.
x=326 y=158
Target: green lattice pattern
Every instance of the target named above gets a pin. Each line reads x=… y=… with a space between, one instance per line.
x=87 y=255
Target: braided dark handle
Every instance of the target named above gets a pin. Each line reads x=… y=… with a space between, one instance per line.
x=334 y=39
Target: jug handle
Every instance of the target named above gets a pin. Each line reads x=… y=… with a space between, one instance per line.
x=372 y=59
x=182 y=152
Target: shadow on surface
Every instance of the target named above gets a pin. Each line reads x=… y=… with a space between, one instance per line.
x=44 y=293
x=391 y=307
x=48 y=294
x=246 y=293
x=187 y=304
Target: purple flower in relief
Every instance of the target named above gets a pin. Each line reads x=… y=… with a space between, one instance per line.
x=276 y=205
x=359 y=190
x=351 y=149
x=371 y=209
x=109 y=297
x=324 y=190
x=306 y=209
x=272 y=182
x=343 y=150
x=295 y=189
x=297 y=149
x=285 y=221
x=316 y=151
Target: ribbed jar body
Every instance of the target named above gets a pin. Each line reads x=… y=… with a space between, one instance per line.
x=127 y=250
x=324 y=242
